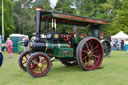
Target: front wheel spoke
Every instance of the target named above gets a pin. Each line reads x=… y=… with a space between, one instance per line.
x=26 y=57
x=35 y=69
x=34 y=62
x=45 y=63
x=43 y=60
x=24 y=62
x=41 y=69
x=40 y=59
x=32 y=65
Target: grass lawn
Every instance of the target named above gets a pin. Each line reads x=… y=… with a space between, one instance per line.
x=115 y=72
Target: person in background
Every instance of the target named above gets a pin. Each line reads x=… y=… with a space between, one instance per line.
x=26 y=41
x=9 y=45
x=126 y=45
x=122 y=44
x=116 y=44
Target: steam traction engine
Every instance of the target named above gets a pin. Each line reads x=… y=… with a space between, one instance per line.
x=71 y=49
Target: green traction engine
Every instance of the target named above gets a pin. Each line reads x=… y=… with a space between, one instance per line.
x=76 y=48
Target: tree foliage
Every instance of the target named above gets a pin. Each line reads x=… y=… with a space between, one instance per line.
x=21 y=15
x=119 y=17
x=24 y=17
x=8 y=17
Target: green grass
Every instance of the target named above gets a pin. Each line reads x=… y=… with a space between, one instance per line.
x=115 y=72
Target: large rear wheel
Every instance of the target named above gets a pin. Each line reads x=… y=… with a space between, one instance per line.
x=89 y=53
x=38 y=64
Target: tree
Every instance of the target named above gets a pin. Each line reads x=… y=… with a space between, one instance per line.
x=8 y=17
x=24 y=17
x=119 y=17
x=89 y=8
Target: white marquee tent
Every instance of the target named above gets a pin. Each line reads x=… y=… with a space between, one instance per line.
x=119 y=36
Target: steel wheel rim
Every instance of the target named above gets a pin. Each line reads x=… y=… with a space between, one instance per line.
x=91 y=54
x=39 y=67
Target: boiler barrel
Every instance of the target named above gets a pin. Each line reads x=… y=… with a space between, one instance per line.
x=43 y=46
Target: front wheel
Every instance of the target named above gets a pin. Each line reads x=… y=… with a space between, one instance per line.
x=23 y=58
x=89 y=53
x=38 y=64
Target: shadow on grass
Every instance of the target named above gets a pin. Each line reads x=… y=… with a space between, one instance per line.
x=73 y=69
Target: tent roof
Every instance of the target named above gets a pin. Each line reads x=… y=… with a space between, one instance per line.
x=120 y=35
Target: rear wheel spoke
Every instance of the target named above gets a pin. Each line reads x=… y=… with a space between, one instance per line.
x=92 y=45
x=87 y=46
x=90 y=61
x=94 y=52
x=96 y=56
x=84 y=58
x=95 y=47
x=84 y=51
